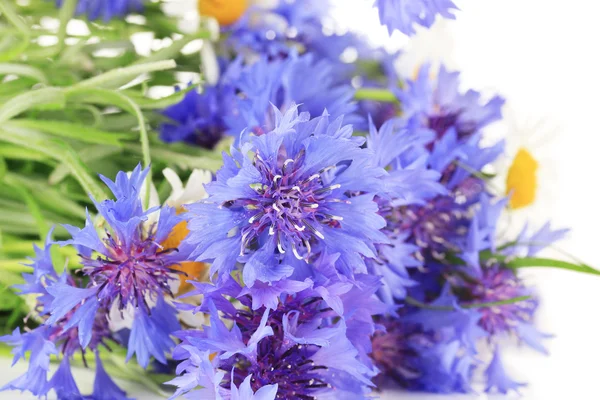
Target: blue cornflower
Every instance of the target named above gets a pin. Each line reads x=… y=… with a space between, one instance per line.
x=269 y=29
x=128 y=270
x=303 y=189
x=402 y=15
x=199 y=118
x=106 y=9
x=484 y=281
x=429 y=350
x=283 y=83
x=441 y=223
x=439 y=105
x=64 y=335
x=293 y=350
x=243 y=99
x=409 y=182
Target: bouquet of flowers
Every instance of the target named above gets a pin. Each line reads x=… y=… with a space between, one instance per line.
x=342 y=228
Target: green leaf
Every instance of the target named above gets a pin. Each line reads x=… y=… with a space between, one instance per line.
x=3 y=169
x=32 y=205
x=35 y=140
x=89 y=154
x=11 y=15
x=118 y=77
x=49 y=197
x=417 y=303
x=67 y=10
x=70 y=130
x=12 y=152
x=122 y=101
x=23 y=70
x=46 y=96
x=526 y=262
x=153 y=104
x=383 y=95
x=173 y=50
x=205 y=159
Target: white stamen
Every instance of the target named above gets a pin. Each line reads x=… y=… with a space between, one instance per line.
x=276 y=177
x=315 y=176
x=307 y=244
x=276 y=208
x=286 y=162
x=296 y=253
x=271 y=230
x=297 y=188
x=281 y=250
x=299 y=228
x=337 y=218
x=319 y=234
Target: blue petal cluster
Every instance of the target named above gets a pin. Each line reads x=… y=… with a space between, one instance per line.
x=243 y=99
x=403 y=15
x=106 y=9
x=293 y=340
x=76 y=331
x=125 y=269
x=303 y=190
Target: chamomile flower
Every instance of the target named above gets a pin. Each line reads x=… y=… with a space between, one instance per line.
x=526 y=170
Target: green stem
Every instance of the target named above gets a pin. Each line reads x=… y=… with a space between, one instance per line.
x=375 y=94
x=417 y=303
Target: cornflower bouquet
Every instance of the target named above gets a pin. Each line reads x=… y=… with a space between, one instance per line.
x=341 y=228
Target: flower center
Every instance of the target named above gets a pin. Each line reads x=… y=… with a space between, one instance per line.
x=521 y=181
x=131 y=272
x=290 y=206
x=499 y=284
x=225 y=11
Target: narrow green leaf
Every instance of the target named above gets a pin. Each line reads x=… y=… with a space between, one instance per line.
x=417 y=303
x=173 y=50
x=49 y=197
x=120 y=76
x=13 y=46
x=56 y=149
x=70 y=130
x=32 y=205
x=3 y=169
x=46 y=96
x=12 y=152
x=147 y=103
x=89 y=154
x=120 y=100
x=11 y=15
x=383 y=95
x=23 y=70
x=205 y=160
x=526 y=262
x=67 y=9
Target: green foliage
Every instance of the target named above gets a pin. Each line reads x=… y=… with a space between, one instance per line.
x=75 y=103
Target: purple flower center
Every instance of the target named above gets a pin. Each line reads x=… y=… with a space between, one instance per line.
x=70 y=337
x=439 y=224
x=499 y=284
x=279 y=360
x=132 y=271
x=289 y=206
x=395 y=350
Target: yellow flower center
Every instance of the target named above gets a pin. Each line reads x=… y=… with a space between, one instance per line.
x=192 y=269
x=224 y=11
x=521 y=181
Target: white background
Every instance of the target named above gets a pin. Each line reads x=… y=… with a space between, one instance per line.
x=542 y=55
